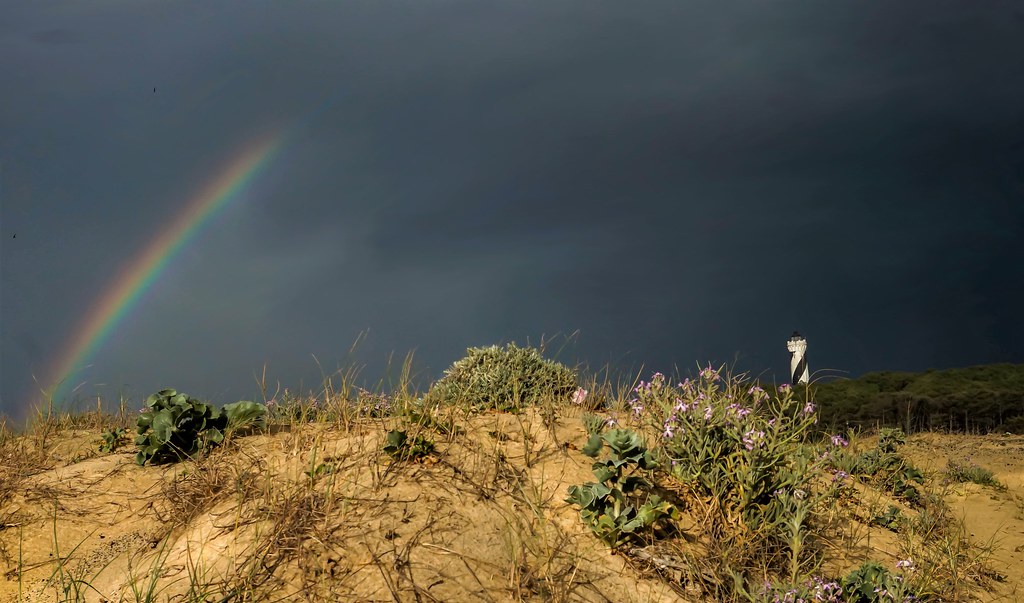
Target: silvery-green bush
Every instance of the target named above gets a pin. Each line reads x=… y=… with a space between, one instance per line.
x=503 y=379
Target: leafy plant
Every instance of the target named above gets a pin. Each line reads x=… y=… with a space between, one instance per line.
x=890 y=519
x=320 y=469
x=175 y=426
x=245 y=415
x=594 y=425
x=611 y=506
x=874 y=583
x=503 y=379
x=398 y=445
x=885 y=466
x=113 y=439
x=890 y=439
x=734 y=446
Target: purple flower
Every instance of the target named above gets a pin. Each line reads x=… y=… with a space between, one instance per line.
x=838 y=440
x=708 y=413
x=905 y=564
x=826 y=592
x=709 y=374
x=784 y=387
x=752 y=439
x=840 y=476
x=738 y=410
x=808 y=408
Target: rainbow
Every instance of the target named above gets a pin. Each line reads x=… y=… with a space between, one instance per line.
x=126 y=290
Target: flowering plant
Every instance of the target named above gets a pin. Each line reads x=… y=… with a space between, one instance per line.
x=734 y=445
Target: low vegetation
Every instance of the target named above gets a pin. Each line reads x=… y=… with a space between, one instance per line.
x=513 y=477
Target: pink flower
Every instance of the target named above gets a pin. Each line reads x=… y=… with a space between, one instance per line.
x=579 y=396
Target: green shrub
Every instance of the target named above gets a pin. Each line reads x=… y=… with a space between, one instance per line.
x=176 y=426
x=890 y=440
x=503 y=379
x=737 y=448
x=612 y=506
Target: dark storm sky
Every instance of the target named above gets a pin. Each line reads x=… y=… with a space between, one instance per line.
x=680 y=181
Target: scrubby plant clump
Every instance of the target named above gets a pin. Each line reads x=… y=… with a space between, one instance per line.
x=744 y=461
x=503 y=379
x=885 y=466
x=963 y=472
x=740 y=450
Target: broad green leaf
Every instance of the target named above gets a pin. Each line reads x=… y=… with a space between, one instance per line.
x=594 y=445
x=245 y=414
x=163 y=426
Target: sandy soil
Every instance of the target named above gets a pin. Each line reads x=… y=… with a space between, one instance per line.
x=483 y=520
x=992 y=517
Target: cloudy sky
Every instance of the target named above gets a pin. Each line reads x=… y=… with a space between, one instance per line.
x=678 y=181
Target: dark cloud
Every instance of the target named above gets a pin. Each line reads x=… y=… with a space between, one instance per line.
x=678 y=182
x=56 y=36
